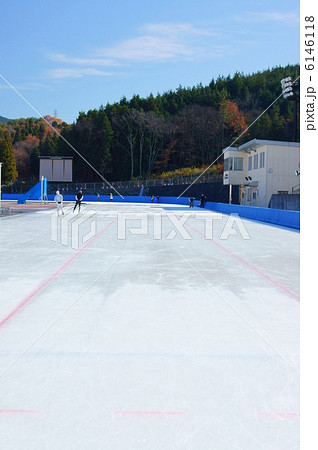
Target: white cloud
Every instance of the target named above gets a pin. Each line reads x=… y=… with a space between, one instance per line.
x=26 y=87
x=76 y=73
x=273 y=16
x=59 y=57
x=148 y=48
x=157 y=42
x=176 y=29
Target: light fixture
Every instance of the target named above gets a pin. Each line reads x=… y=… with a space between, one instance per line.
x=290 y=89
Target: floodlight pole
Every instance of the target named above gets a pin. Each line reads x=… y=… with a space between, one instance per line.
x=0 y=182
x=290 y=91
x=295 y=121
x=42 y=181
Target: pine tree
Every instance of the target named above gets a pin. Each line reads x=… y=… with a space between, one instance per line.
x=9 y=170
x=18 y=136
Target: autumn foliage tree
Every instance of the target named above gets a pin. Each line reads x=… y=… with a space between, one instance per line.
x=234 y=122
x=9 y=170
x=22 y=153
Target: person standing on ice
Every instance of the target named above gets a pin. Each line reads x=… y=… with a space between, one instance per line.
x=59 y=203
x=202 y=201
x=79 y=198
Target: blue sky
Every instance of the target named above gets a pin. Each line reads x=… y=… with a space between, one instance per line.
x=74 y=56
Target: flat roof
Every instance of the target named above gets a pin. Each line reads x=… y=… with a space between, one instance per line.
x=55 y=157
x=256 y=143
x=232 y=149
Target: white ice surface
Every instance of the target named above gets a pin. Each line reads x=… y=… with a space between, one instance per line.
x=169 y=343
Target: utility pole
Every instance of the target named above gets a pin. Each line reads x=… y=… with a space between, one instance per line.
x=0 y=182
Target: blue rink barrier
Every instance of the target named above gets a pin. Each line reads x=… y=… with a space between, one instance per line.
x=34 y=193
x=12 y=197
x=281 y=217
x=126 y=199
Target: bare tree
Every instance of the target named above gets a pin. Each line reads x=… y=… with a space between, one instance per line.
x=156 y=132
x=125 y=124
x=197 y=130
x=141 y=128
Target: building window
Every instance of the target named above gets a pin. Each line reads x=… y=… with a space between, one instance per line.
x=238 y=163
x=228 y=164
x=255 y=166
x=249 y=163
x=262 y=160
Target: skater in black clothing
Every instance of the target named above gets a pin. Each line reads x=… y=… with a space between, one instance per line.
x=202 y=201
x=79 y=198
x=191 y=202
x=158 y=198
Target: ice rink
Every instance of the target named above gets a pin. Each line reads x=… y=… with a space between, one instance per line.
x=133 y=326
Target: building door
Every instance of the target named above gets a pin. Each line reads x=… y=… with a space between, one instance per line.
x=254 y=197
x=243 y=196
x=248 y=196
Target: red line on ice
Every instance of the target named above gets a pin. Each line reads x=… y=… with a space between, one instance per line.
x=250 y=266
x=52 y=277
x=18 y=411
x=148 y=413
x=32 y=207
x=274 y=415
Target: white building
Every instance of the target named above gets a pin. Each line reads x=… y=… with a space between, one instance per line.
x=262 y=168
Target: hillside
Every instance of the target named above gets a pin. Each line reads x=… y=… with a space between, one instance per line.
x=31 y=138
x=4 y=119
x=145 y=137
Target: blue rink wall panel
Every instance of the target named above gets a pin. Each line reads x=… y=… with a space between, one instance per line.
x=280 y=217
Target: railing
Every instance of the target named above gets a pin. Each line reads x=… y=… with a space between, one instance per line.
x=22 y=187
x=206 y=178
x=296 y=189
x=19 y=187
x=132 y=184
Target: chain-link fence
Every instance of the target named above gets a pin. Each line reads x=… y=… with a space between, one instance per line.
x=132 y=187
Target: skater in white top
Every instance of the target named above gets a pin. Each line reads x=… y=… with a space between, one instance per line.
x=59 y=203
